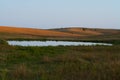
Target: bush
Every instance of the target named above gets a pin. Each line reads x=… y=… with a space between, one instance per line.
x=3 y=42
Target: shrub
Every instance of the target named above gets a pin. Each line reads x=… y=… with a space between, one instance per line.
x=3 y=42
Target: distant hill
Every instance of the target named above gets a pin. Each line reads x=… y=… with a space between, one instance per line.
x=34 y=32
x=79 y=33
x=88 y=31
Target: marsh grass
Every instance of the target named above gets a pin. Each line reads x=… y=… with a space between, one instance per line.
x=3 y=42
x=60 y=63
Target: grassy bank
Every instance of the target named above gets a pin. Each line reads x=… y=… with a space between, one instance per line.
x=64 y=34
x=60 y=63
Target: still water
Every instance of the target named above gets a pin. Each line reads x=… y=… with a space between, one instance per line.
x=53 y=43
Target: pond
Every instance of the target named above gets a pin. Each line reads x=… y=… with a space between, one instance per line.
x=53 y=43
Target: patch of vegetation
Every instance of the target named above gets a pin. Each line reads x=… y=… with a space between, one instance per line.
x=60 y=63
x=3 y=42
x=83 y=29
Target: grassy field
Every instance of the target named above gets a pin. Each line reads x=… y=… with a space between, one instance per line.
x=75 y=34
x=60 y=63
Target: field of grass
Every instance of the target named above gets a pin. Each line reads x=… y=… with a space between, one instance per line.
x=60 y=63
x=33 y=32
x=79 y=34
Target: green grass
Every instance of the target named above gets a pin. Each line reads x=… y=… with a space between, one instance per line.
x=3 y=42
x=60 y=63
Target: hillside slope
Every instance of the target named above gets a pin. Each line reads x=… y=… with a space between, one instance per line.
x=88 y=31
x=35 y=32
x=7 y=32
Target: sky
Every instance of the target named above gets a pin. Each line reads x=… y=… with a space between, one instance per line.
x=60 y=13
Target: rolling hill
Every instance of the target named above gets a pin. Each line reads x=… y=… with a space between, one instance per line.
x=27 y=32
x=8 y=32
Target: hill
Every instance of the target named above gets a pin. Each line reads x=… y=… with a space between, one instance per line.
x=92 y=33
x=7 y=32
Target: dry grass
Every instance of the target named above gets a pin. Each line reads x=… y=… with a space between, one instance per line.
x=58 y=34
x=84 y=31
x=38 y=32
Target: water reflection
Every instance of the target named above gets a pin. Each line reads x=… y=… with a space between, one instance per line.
x=53 y=43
